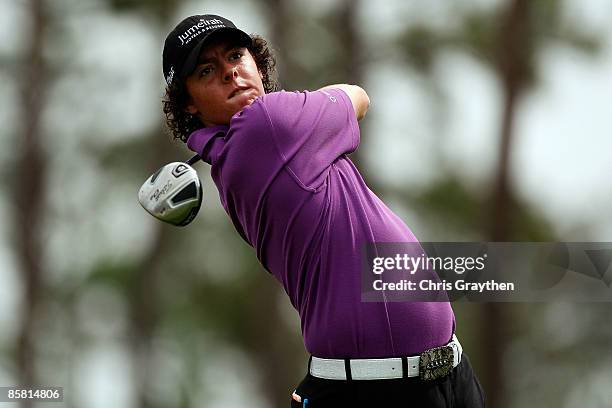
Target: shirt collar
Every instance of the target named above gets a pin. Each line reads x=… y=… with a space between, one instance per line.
x=205 y=141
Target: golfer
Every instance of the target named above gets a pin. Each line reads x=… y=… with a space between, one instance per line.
x=280 y=162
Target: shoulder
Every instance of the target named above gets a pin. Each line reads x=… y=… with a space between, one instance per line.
x=300 y=99
x=263 y=107
x=289 y=107
x=269 y=116
x=269 y=111
x=290 y=112
x=281 y=102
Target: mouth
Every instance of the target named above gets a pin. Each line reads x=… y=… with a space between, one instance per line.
x=238 y=91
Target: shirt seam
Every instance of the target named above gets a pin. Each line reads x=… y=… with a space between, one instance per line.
x=285 y=161
x=354 y=137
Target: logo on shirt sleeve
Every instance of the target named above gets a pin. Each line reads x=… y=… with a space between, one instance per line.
x=331 y=97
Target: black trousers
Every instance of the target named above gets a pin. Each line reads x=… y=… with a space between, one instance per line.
x=459 y=389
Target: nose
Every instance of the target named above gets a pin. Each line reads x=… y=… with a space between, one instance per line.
x=229 y=73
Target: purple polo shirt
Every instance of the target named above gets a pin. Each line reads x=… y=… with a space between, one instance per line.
x=284 y=178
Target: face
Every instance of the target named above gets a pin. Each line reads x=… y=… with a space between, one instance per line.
x=225 y=80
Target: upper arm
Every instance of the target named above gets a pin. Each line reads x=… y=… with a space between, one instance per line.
x=358 y=96
x=311 y=130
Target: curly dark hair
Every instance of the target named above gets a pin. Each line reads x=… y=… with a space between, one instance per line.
x=181 y=124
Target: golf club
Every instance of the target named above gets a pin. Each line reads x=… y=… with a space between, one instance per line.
x=173 y=193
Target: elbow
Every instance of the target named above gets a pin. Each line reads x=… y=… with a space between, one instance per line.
x=363 y=103
x=366 y=102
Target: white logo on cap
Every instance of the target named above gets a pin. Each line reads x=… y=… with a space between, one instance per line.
x=170 y=76
x=197 y=29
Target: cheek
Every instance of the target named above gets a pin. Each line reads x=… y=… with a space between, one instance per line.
x=205 y=101
x=201 y=102
x=256 y=75
x=250 y=67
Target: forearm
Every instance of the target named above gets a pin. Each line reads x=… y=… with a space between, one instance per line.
x=358 y=96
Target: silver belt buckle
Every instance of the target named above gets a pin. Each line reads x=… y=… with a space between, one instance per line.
x=436 y=363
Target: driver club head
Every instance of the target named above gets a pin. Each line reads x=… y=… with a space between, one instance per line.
x=172 y=194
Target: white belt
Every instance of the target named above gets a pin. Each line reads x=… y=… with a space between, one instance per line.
x=374 y=368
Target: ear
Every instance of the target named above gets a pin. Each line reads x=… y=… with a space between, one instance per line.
x=189 y=105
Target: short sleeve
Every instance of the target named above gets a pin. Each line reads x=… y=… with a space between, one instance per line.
x=312 y=130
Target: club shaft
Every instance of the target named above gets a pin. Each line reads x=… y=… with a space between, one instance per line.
x=193 y=160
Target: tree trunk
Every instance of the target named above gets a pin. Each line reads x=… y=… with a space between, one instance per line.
x=353 y=65
x=144 y=302
x=512 y=63
x=29 y=193
x=144 y=313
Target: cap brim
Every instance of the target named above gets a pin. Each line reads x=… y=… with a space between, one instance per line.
x=192 y=59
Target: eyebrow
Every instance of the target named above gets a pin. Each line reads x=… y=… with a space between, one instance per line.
x=204 y=60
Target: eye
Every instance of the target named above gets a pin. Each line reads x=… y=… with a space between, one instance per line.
x=205 y=70
x=236 y=55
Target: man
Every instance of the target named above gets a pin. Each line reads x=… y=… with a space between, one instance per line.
x=279 y=161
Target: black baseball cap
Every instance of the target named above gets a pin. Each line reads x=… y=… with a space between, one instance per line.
x=184 y=44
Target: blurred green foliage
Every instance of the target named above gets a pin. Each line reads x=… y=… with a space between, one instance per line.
x=178 y=298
